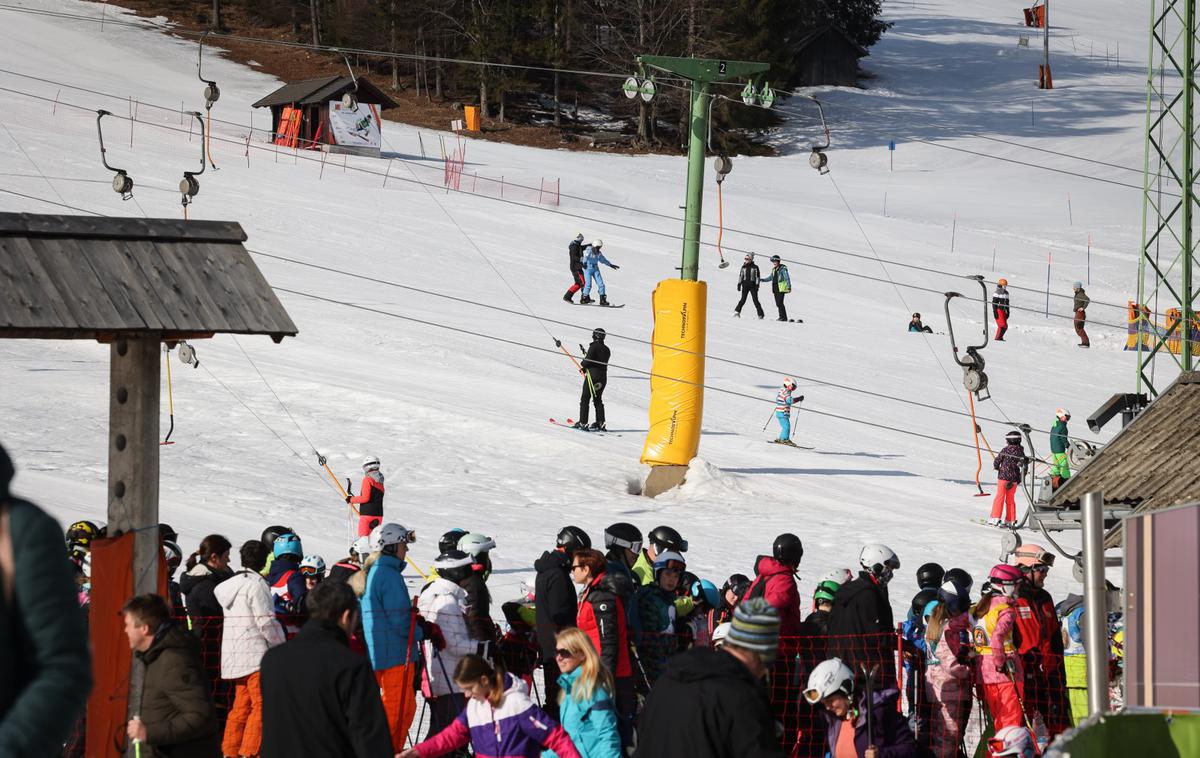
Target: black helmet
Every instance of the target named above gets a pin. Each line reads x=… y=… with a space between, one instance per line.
x=273 y=532
x=167 y=533
x=82 y=533
x=686 y=580
x=599 y=334
x=930 y=575
x=738 y=583
x=666 y=538
x=775 y=259
x=1013 y=437
x=454 y=565
x=922 y=599
x=572 y=538
x=788 y=550
x=960 y=578
x=623 y=535
x=449 y=540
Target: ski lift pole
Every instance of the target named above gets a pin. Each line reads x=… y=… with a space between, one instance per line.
x=978 y=452
x=170 y=399
x=591 y=387
x=324 y=462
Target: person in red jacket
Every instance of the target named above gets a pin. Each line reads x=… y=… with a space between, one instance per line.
x=602 y=617
x=1045 y=672
x=775 y=582
x=370 y=497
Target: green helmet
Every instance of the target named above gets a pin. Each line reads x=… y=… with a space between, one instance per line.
x=826 y=591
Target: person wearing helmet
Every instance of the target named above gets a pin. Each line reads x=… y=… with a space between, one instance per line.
x=912 y=633
x=388 y=625
x=930 y=575
x=948 y=688
x=1000 y=308
x=250 y=630
x=369 y=500
x=1040 y=642
x=443 y=604
x=624 y=544
x=720 y=632
x=1079 y=308
x=916 y=325
x=656 y=609
x=823 y=596
x=555 y=603
x=781 y=284
x=1014 y=741
x=312 y=568
x=479 y=599
x=602 y=616
x=80 y=534
x=287 y=584
x=659 y=539
x=343 y=570
x=859 y=726
x=1060 y=442
x=594 y=370
x=862 y=609
x=1010 y=465
x=997 y=666
x=449 y=540
x=732 y=593
x=269 y=535
x=775 y=582
x=702 y=620
x=783 y=410
x=748 y=280
x=575 y=259
x=592 y=258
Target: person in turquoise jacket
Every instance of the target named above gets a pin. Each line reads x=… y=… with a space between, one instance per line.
x=1060 y=471
x=586 y=698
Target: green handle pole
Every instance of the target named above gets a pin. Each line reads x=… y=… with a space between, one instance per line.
x=690 y=267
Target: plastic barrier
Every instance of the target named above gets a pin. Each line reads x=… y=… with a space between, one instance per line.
x=676 y=407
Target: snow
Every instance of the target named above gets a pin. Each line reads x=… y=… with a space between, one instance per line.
x=460 y=421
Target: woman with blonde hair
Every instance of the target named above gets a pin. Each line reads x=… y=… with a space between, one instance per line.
x=585 y=701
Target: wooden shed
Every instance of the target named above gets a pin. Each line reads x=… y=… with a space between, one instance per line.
x=826 y=56
x=306 y=114
x=137 y=285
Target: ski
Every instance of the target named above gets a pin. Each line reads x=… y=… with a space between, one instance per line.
x=570 y=424
x=598 y=305
x=791 y=444
x=983 y=522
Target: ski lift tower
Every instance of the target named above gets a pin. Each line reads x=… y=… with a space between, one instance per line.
x=1169 y=200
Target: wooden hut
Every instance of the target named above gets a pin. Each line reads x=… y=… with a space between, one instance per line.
x=827 y=56
x=310 y=114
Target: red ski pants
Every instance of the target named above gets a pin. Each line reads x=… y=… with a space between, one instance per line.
x=1001 y=324
x=578 y=285
x=399 y=701
x=243 y=728
x=367 y=523
x=1006 y=498
x=1003 y=701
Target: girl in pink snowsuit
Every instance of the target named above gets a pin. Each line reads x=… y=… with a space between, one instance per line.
x=947 y=678
x=998 y=667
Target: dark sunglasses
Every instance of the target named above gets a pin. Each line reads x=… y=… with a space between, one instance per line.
x=562 y=652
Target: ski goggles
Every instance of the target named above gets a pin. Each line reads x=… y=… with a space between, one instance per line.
x=999 y=748
x=662 y=547
x=611 y=541
x=311 y=572
x=1038 y=554
x=676 y=566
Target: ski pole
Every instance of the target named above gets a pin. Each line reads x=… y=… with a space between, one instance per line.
x=870 y=676
x=769 y=420
x=1009 y=667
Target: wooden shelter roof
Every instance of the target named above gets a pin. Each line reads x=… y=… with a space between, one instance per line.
x=78 y=277
x=325 y=89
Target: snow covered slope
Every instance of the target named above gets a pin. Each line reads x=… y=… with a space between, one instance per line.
x=459 y=417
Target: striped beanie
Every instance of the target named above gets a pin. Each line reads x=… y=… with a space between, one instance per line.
x=755 y=628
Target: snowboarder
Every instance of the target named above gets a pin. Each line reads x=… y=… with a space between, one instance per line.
x=369 y=497
x=1079 y=306
x=783 y=410
x=592 y=258
x=1010 y=466
x=575 y=251
x=1000 y=308
x=1061 y=469
x=781 y=284
x=917 y=326
x=748 y=281
x=594 y=369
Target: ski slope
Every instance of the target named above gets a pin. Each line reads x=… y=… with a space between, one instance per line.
x=459 y=417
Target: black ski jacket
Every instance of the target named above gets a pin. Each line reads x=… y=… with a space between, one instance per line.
x=707 y=705
x=575 y=251
x=479 y=609
x=554 y=596
x=596 y=361
x=321 y=698
x=859 y=624
x=749 y=277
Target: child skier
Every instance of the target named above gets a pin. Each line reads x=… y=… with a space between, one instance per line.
x=370 y=497
x=1010 y=466
x=575 y=252
x=1000 y=308
x=592 y=258
x=1061 y=470
x=916 y=325
x=783 y=410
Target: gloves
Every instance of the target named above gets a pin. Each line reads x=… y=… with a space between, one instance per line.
x=800 y=399
x=615 y=267
x=433 y=633
x=558 y=343
x=739 y=286
x=347 y=499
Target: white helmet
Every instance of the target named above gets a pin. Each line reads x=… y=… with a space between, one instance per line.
x=313 y=565
x=597 y=243
x=361 y=548
x=827 y=678
x=371 y=463
x=475 y=544
x=1014 y=741
x=789 y=382
x=837 y=576
x=720 y=633
x=390 y=534
x=1063 y=414
x=879 y=560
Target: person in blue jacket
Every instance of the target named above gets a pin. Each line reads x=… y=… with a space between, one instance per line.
x=592 y=258
x=287 y=583
x=586 y=707
x=389 y=624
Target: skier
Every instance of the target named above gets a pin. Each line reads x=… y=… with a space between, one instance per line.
x=594 y=370
x=781 y=284
x=1061 y=470
x=1010 y=467
x=998 y=667
x=860 y=723
x=369 y=497
x=783 y=410
x=862 y=612
x=287 y=583
x=555 y=603
x=947 y=685
x=660 y=539
x=443 y=603
x=930 y=575
x=479 y=600
x=748 y=281
x=1079 y=306
x=591 y=263
x=1000 y=309
x=916 y=325
x=656 y=608
x=575 y=251
x=1045 y=668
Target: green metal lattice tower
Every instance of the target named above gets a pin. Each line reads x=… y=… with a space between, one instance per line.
x=1169 y=204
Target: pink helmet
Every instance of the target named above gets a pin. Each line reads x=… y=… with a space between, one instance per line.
x=1002 y=573
x=1033 y=555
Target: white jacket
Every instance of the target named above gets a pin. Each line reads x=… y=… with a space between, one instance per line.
x=444 y=603
x=250 y=625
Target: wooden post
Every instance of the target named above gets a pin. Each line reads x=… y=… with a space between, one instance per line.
x=133 y=409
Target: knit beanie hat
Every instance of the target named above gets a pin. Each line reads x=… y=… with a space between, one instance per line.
x=755 y=628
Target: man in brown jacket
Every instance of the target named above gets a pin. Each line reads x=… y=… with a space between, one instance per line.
x=176 y=716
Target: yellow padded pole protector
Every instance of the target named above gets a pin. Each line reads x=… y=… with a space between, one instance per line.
x=676 y=407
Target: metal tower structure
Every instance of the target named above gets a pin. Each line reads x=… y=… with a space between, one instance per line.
x=1165 y=271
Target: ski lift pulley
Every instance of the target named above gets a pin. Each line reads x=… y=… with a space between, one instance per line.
x=1080 y=453
x=817 y=159
x=189 y=187
x=212 y=93
x=350 y=99
x=187 y=354
x=631 y=87
x=122 y=183
x=722 y=164
x=975 y=380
